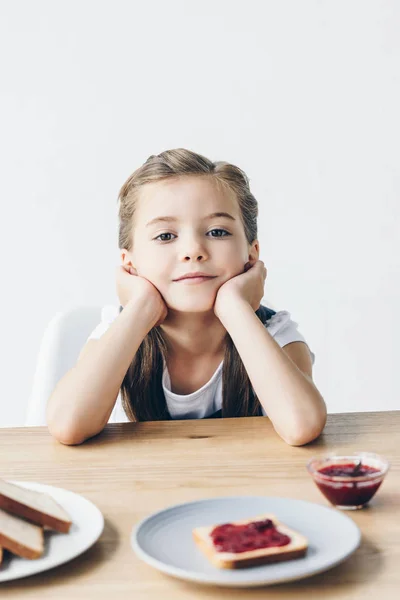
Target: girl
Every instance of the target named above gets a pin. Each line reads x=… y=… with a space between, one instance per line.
x=190 y=339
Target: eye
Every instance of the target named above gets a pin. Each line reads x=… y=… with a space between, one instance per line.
x=220 y=231
x=163 y=234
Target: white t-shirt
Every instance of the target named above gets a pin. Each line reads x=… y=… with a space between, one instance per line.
x=208 y=399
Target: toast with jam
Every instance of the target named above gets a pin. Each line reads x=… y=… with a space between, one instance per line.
x=250 y=542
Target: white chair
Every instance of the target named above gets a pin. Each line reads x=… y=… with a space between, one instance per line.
x=62 y=342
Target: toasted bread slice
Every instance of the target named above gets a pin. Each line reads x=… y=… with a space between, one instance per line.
x=296 y=548
x=20 y=537
x=38 y=507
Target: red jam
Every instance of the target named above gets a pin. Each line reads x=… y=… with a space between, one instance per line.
x=250 y=536
x=351 y=493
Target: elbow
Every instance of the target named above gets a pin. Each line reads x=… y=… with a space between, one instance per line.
x=308 y=431
x=70 y=441
x=64 y=435
x=70 y=433
x=66 y=438
x=301 y=439
x=67 y=433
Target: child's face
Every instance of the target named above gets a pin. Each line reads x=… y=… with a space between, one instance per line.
x=189 y=243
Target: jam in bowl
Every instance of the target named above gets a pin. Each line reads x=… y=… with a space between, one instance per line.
x=348 y=482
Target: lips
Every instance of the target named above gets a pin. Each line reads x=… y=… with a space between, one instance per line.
x=195 y=276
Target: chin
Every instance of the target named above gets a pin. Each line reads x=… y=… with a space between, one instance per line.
x=188 y=303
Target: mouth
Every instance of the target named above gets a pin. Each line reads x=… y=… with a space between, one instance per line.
x=198 y=279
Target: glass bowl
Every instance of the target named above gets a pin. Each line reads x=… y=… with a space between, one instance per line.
x=348 y=481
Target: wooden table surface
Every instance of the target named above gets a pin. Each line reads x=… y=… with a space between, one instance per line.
x=133 y=469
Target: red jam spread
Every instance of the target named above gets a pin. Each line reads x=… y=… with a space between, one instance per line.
x=351 y=493
x=250 y=536
x=347 y=470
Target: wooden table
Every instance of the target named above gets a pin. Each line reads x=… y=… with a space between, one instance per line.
x=133 y=469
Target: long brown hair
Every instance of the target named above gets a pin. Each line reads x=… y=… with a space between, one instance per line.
x=142 y=394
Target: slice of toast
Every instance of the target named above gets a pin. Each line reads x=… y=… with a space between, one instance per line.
x=296 y=548
x=38 y=507
x=20 y=537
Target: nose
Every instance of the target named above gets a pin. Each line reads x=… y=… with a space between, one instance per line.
x=193 y=249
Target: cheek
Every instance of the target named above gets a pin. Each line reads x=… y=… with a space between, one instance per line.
x=235 y=252
x=147 y=260
x=235 y=262
x=155 y=269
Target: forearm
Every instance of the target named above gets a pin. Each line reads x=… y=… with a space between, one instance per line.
x=83 y=399
x=290 y=399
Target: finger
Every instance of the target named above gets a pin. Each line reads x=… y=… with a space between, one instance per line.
x=250 y=264
x=258 y=266
x=120 y=270
x=129 y=269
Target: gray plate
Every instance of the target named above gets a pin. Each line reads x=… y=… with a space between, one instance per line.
x=164 y=539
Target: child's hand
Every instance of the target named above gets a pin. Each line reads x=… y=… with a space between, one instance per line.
x=130 y=286
x=247 y=286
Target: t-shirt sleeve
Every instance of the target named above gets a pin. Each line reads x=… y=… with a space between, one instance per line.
x=285 y=331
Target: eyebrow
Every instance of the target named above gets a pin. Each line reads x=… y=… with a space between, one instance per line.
x=174 y=219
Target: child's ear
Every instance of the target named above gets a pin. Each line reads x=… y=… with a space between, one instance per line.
x=126 y=258
x=254 y=253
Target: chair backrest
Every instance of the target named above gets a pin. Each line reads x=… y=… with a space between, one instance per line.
x=61 y=344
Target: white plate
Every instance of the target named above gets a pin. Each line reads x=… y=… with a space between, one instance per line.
x=87 y=526
x=164 y=540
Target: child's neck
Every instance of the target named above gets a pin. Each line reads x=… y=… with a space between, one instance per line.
x=193 y=335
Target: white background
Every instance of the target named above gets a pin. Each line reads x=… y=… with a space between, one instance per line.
x=304 y=96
